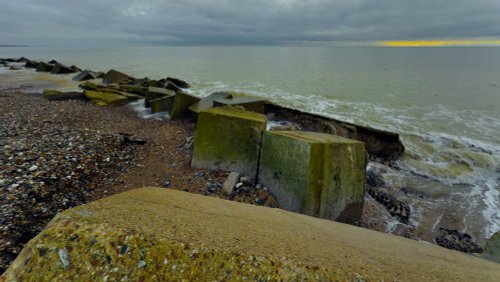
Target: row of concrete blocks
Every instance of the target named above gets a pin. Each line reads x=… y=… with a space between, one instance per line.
x=178 y=103
x=311 y=173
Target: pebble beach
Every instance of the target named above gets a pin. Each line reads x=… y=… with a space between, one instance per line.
x=58 y=155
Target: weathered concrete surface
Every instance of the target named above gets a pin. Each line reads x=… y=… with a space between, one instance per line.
x=379 y=144
x=44 y=67
x=115 y=98
x=229 y=139
x=54 y=95
x=162 y=104
x=181 y=104
x=208 y=102
x=157 y=234
x=314 y=173
x=62 y=69
x=492 y=248
x=155 y=93
x=248 y=103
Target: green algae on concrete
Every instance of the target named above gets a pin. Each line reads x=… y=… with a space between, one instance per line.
x=156 y=234
x=248 y=103
x=155 y=93
x=181 y=104
x=110 y=98
x=162 y=104
x=314 y=173
x=492 y=248
x=228 y=138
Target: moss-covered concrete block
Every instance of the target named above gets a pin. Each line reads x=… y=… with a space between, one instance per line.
x=248 y=103
x=114 y=98
x=314 y=173
x=228 y=139
x=162 y=104
x=44 y=67
x=492 y=248
x=181 y=104
x=157 y=234
x=155 y=93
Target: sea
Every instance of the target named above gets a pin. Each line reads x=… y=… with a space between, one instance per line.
x=443 y=101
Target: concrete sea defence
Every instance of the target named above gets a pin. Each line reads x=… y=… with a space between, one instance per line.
x=156 y=234
x=126 y=88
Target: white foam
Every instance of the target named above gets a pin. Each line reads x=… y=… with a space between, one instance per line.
x=143 y=112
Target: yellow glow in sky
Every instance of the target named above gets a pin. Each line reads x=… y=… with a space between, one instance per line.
x=439 y=43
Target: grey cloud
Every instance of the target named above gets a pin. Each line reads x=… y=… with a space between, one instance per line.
x=244 y=22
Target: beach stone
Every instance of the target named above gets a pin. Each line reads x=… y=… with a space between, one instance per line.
x=44 y=67
x=114 y=76
x=230 y=182
x=492 y=248
x=162 y=104
x=208 y=102
x=316 y=174
x=61 y=69
x=228 y=139
x=85 y=75
x=248 y=103
x=181 y=104
x=178 y=82
x=193 y=238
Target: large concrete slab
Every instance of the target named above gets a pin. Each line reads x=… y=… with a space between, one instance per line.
x=157 y=234
x=228 y=139
x=314 y=173
x=181 y=104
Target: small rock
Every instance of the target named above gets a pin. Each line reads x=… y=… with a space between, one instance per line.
x=259 y=201
x=166 y=183
x=64 y=257
x=230 y=182
x=238 y=185
x=212 y=187
x=141 y=264
x=258 y=186
x=33 y=168
x=247 y=180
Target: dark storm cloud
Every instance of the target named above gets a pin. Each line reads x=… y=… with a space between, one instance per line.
x=244 y=22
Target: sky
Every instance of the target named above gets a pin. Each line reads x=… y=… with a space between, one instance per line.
x=245 y=22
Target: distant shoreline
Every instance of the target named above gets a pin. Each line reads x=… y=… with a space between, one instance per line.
x=14 y=46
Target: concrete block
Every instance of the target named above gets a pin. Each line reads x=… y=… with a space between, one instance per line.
x=228 y=139
x=181 y=104
x=314 y=173
x=208 y=102
x=248 y=103
x=162 y=104
x=492 y=248
x=155 y=93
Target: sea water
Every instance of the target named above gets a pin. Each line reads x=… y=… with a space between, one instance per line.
x=444 y=102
